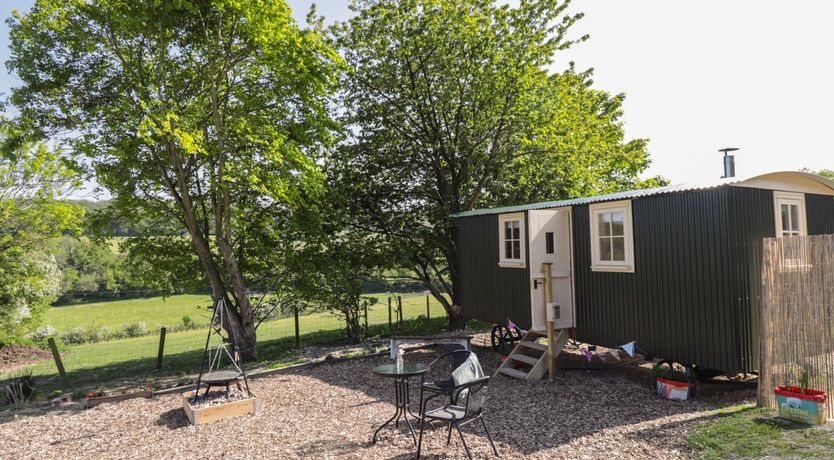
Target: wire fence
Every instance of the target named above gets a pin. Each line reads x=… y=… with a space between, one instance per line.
x=167 y=353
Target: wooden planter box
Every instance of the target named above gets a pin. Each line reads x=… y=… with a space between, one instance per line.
x=806 y=406
x=203 y=415
x=673 y=389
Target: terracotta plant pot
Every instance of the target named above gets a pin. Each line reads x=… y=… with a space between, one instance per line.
x=801 y=405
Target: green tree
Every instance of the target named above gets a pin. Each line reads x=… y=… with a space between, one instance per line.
x=825 y=173
x=446 y=102
x=578 y=147
x=33 y=182
x=203 y=118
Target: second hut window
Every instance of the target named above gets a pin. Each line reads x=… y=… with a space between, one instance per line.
x=511 y=250
x=611 y=237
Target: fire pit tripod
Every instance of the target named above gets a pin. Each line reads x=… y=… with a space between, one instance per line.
x=213 y=376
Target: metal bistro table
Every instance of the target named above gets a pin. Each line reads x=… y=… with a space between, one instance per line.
x=401 y=391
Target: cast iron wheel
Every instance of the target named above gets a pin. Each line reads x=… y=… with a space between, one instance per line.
x=502 y=339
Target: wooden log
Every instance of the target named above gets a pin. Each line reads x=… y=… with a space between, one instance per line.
x=390 y=326
x=58 y=363
x=161 y=351
x=428 y=312
x=366 y=319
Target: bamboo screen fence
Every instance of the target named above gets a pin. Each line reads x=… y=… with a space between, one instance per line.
x=797 y=318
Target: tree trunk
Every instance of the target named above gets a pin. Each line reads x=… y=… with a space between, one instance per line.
x=352 y=323
x=457 y=320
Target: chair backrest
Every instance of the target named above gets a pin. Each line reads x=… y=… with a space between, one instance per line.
x=476 y=393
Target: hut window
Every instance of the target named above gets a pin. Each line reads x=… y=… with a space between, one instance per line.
x=790 y=223
x=790 y=214
x=611 y=237
x=511 y=240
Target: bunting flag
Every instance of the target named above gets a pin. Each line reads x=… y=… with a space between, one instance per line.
x=601 y=356
x=629 y=349
x=511 y=325
x=614 y=353
x=588 y=354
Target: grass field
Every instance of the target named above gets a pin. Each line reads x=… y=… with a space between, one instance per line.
x=155 y=312
x=106 y=362
x=748 y=432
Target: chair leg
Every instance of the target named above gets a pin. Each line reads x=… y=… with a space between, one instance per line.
x=449 y=435
x=489 y=436
x=465 y=446
x=420 y=441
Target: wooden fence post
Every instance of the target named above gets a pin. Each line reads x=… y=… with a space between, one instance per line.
x=390 y=326
x=400 y=310
x=58 y=362
x=428 y=312
x=297 y=329
x=159 y=354
x=366 y=319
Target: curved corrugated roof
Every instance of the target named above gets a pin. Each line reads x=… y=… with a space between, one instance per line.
x=631 y=194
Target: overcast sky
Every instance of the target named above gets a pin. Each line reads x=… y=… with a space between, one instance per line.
x=698 y=76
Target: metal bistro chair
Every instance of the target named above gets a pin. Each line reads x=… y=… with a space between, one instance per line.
x=458 y=415
x=444 y=385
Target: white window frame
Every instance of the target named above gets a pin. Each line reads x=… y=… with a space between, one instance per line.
x=794 y=199
x=790 y=198
x=597 y=265
x=504 y=261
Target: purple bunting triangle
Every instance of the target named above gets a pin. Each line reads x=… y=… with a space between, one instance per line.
x=588 y=354
x=601 y=356
x=510 y=324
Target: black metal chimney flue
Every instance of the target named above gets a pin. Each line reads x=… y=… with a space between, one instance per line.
x=729 y=162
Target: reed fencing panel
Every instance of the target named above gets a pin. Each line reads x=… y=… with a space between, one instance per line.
x=797 y=320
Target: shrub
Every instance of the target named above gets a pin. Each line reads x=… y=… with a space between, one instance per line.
x=135 y=329
x=42 y=334
x=20 y=388
x=74 y=336
x=668 y=373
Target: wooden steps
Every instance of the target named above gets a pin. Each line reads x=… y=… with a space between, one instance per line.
x=528 y=360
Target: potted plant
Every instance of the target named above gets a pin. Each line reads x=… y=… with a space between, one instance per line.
x=671 y=383
x=800 y=403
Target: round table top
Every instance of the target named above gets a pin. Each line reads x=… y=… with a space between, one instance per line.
x=220 y=377
x=408 y=370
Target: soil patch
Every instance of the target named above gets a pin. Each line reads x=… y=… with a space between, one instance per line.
x=14 y=357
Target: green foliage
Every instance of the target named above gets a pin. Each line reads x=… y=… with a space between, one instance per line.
x=450 y=107
x=578 y=147
x=668 y=372
x=33 y=181
x=90 y=267
x=200 y=118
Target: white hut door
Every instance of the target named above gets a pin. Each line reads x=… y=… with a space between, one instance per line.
x=550 y=241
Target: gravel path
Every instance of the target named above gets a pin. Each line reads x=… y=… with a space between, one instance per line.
x=331 y=411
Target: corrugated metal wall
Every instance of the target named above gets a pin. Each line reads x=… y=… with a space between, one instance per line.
x=752 y=219
x=677 y=304
x=695 y=295
x=490 y=293
x=820 y=212
x=751 y=216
